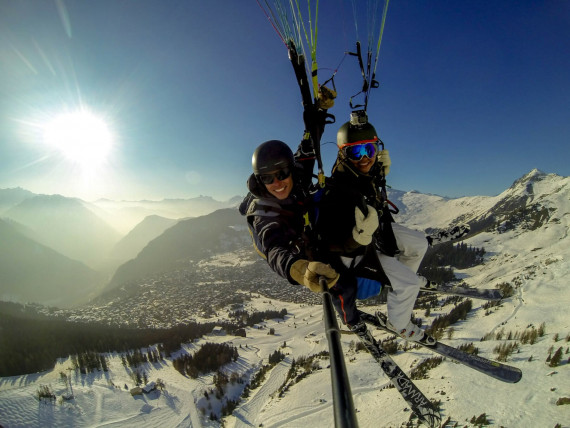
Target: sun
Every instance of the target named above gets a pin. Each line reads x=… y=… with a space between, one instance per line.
x=81 y=137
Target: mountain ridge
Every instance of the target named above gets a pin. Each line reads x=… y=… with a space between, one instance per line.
x=509 y=210
x=66 y=225
x=133 y=242
x=531 y=202
x=30 y=271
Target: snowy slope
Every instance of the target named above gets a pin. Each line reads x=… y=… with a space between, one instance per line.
x=533 y=260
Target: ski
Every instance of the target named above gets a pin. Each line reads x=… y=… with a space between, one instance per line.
x=476 y=293
x=421 y=406
x=499 y=371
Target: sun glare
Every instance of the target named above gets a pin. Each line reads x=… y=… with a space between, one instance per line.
x=81 y=137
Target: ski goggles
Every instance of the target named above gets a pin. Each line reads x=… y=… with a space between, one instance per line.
x=357 y=151
x=280 y=175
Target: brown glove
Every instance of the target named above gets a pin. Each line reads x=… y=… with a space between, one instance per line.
x=307 y=273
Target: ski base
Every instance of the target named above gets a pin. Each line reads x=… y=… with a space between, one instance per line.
x=499 y=371
x=420 y=405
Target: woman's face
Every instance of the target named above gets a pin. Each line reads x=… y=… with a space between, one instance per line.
x=362 y=155
x=364 y=164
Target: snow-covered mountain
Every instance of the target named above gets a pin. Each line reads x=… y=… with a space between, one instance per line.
x=524 y=231
x=532 y=199
x=530 y=202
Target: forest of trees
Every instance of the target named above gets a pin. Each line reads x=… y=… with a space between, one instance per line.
x=29 y=345
x=31 y=342
x=210 y=357
x=459 y=312
x=249 y=319
x=438 y=260
x=88 y=361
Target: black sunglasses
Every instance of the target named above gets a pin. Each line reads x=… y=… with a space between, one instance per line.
x=280 y=175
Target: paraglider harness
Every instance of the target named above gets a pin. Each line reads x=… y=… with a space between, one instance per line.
x=306 y=241
x=315 y=117
x=365 y=268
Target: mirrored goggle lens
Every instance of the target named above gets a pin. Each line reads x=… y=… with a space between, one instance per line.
x=358 y=151
x=282 y=174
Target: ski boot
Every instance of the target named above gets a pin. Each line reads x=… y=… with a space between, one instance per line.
x=361 y=330
x=411 y=333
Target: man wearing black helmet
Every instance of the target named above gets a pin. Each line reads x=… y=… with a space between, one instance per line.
x=279 y=209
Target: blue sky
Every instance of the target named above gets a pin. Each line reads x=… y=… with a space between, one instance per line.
x=473 y=94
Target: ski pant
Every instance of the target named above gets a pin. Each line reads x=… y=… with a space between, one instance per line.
x=344 y=299
x=401 y=271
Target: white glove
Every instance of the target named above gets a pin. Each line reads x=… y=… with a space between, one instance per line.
x=384 y=158
x=307 y=273
x=365 y=226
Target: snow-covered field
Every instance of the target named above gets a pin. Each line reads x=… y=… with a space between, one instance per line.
x=536 y=261
x=102 y=400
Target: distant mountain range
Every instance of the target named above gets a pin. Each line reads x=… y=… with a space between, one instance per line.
x=67 y=225
x=161 y=245
x=82 y=239
x=32 y=272
x=124 y=215
x=11 y=197
x=526 y=204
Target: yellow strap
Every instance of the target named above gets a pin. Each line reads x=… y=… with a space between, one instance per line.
x=307 y=221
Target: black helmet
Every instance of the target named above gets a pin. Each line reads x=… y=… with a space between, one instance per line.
x=357 y=129
x=271 y=156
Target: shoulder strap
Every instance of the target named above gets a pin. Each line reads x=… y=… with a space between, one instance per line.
x=252 y=206
x=265 y=208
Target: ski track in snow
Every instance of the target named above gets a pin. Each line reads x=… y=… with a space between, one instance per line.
x=248 y=414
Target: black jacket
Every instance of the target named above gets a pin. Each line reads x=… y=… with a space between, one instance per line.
x=279 y=225
x=348 y=188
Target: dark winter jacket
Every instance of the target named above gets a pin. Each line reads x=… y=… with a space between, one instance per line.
x=280 y=227
x=349 y=188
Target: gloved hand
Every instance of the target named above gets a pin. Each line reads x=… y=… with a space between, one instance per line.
x=384 y=158
x=307 y=273
x=306 y=148
x=326 y=97
x=365 y=226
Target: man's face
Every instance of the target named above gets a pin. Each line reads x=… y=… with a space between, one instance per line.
x=281 y=189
